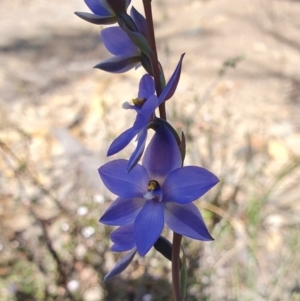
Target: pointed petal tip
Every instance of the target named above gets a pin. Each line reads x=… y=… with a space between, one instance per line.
x=215 y=181
x=101 y=220
x=208 y=237
x=108 y=277
x=171 y=86
x=142 y=254
x=131 y=166
x=99 y=172
x=121 y=265
x=109 y=153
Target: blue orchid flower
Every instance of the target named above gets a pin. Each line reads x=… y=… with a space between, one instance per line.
x=126 y=54
x=104 y=11
x=128 y=47
x=145 y=105
x=158 y=191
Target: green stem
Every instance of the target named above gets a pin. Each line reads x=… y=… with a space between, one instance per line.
x=153 y=58
x=176 y=266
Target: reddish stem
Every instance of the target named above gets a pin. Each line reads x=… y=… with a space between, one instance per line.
x=153 y=58
x=176 y=266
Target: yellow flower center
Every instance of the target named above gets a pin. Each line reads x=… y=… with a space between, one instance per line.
x=154 y=192
x=138 y=101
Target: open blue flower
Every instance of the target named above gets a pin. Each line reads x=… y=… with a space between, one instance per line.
x=144 y=105
x=104 y=11
x=158 y=191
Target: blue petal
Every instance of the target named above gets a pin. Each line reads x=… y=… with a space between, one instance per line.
x=97 y=7
x=162 y=155
x=144 y=114
x=148 y=225
x=186 y=220
x=117 y=42
x=187 y=184
x=121 y=265
x=118 y=64
x=127 y=185
x=120 y=142
x=122 y=211
x=146 y=87
x=139 y=21
x=136 y=155
x=123 y=239
x=171 y=86
x=95 y=19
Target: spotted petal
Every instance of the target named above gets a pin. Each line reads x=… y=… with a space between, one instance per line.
x=186 y=220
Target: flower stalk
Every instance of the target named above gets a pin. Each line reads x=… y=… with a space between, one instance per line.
x=176 y=266
x=154 y=58
x=162 y=112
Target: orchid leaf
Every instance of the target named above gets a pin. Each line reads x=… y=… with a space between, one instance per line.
x=164 y=247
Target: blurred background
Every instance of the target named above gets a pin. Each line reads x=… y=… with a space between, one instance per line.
x=238 y=103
